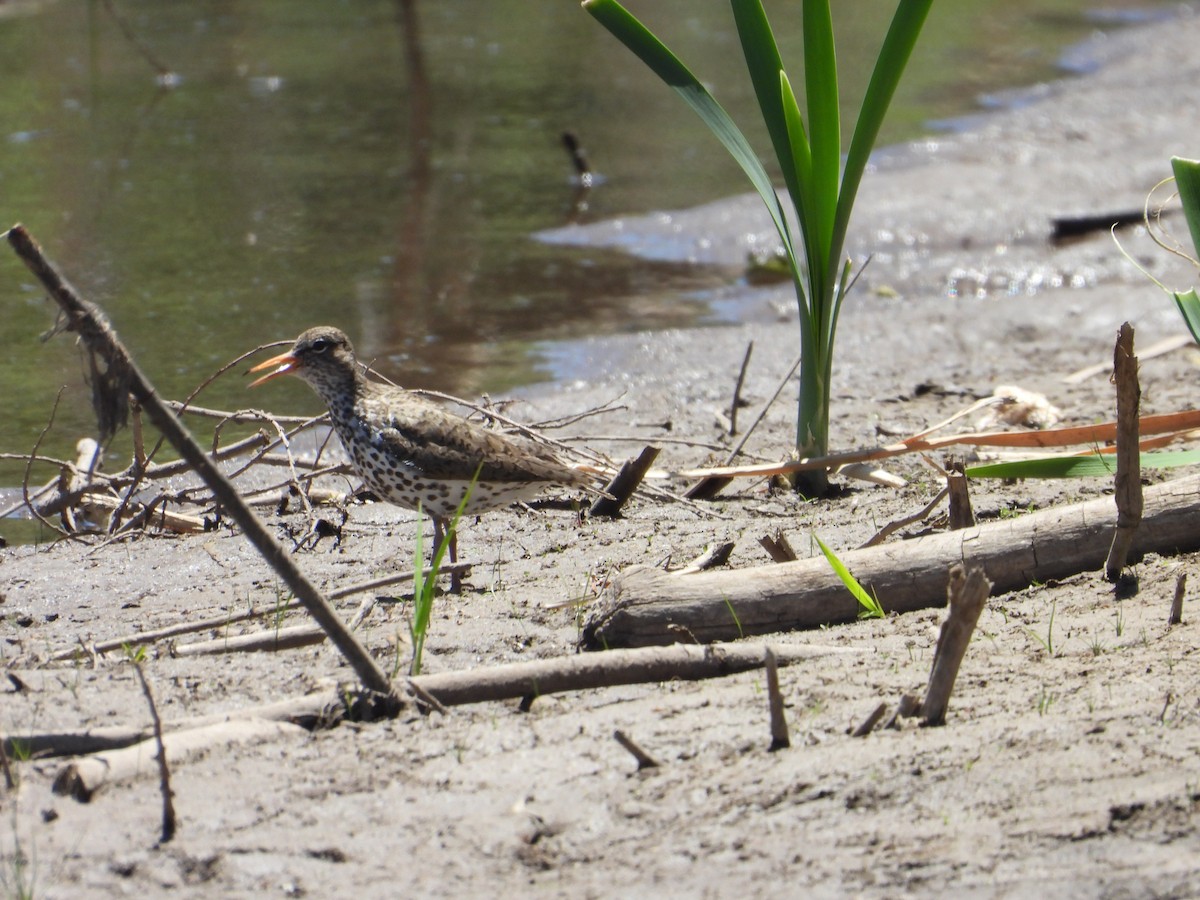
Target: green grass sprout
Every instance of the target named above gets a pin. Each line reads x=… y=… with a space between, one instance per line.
x=871 y=608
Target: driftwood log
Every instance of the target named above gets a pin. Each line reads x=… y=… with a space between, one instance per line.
x=646 y=606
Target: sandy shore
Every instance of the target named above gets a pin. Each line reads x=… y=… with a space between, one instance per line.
x=1069 y=762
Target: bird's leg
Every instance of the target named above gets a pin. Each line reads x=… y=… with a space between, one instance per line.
x=440 y=530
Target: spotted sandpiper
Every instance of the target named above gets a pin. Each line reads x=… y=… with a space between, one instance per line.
x=410 y=451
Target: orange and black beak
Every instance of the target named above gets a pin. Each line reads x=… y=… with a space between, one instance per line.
x=285 y=361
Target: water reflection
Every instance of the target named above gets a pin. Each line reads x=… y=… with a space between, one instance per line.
x=221 y=174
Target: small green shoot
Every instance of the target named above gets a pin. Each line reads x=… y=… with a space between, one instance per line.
x=736 y=621
x=1047 y=642
x=871 y=608
x=1046 y=698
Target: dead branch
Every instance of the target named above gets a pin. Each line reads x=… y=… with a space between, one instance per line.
x=583 y=672
x=961 y=513
x=142 y=638
x=82 y=778
x=1128 y=480
x=268 y=641
x=896 y=524
x=642 y=604
x=624 y=483
x=968 y=592
x=123 y=375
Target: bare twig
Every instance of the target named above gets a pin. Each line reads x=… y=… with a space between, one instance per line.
x=710 y=485
x=644 y=759
x=896 y=524
x=737 y=389
x=779 y=728
x=1128 y=481
x=164 y=770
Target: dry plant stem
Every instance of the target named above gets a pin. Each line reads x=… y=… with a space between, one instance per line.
x=779 y=728
x=961 y=513
x=1078 y=435
x=642 y=604
x=968 y=592
x=1176 y=615
x=737 y=389
x=93 y=328
x=1128 y=483
x=164 y=769
x=644 y=759
x=778 y=547
x=895 y=525
x=624 y=483
x=869 y=723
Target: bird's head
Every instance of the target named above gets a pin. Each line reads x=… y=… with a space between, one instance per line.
x=322 y=356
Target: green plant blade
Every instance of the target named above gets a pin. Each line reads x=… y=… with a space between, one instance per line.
x=889 y=66
x=825 y=137
x=1091 y=466
x=1187 y=181
x=765 y=67
x=1189 y=308
x=865 y=600
x=626 y=28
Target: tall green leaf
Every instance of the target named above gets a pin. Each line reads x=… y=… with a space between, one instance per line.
x=1187 y=180
x=825 y=136
x=765 y=67
x=889 y=66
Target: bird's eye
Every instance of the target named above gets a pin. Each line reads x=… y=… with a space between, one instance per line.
x=320 y=345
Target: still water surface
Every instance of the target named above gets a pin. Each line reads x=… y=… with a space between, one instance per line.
x=381 y=165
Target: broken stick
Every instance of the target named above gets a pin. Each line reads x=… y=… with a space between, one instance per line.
x=1128 y=483
x=968 y=592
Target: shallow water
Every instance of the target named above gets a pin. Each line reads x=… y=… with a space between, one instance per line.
x=381 y=166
